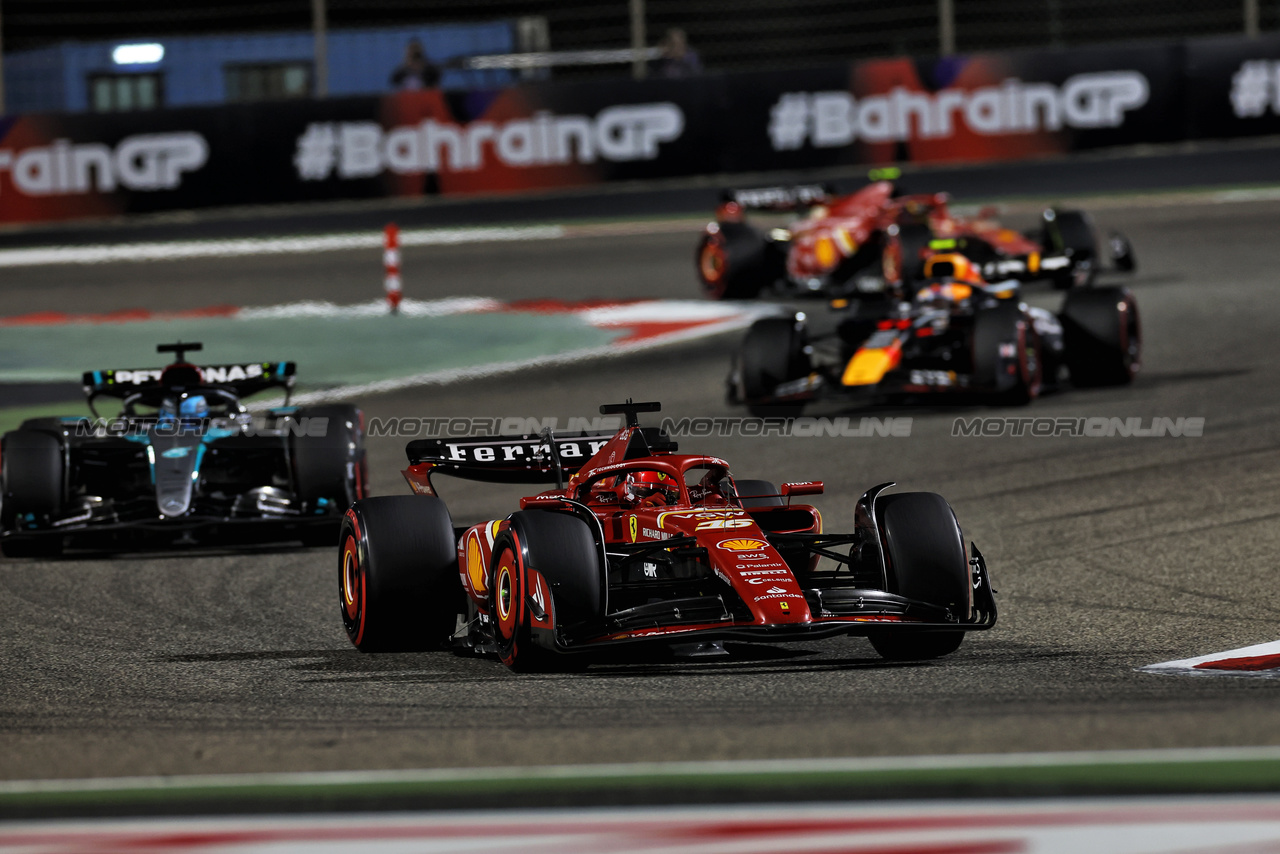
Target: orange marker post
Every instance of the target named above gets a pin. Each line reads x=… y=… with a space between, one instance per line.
x=391 y=261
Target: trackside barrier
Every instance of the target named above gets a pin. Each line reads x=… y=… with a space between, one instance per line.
x=540 y=135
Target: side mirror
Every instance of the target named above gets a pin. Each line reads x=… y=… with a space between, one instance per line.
x=808 y=487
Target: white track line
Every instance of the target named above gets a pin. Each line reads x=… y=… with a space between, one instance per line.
x=373 y=308
x=185 y=249
x=624 y=771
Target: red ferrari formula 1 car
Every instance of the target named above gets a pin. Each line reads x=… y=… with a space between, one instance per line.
x=646 y=545
x=875 y=239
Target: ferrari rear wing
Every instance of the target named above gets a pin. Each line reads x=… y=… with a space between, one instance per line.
x=507 y=459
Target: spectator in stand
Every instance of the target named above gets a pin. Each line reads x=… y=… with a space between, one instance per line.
x=678 y=59
x=416 y=72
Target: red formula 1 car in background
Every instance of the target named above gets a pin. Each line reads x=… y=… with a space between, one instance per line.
x=874 y=239
x=643 y=545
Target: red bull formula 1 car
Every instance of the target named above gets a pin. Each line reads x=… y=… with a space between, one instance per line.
x=638 y=544
x=183 y=462
x=874 y=239
x=956 y=335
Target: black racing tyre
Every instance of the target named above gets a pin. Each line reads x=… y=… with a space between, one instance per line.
x=1071 y=233
x=330 y=468
x=32 y=471
x=762 y=488
x=995 y=328
x=926 y=559
x=1101 y=336
x=398 y=583
x=913 y=239
x=772 y=353
x=737 y=262
x=52 y=426
x=560 y=547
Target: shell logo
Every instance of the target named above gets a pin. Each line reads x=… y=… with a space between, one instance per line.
x=742 y=545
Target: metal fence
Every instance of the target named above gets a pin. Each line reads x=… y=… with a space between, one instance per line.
x=730 y=35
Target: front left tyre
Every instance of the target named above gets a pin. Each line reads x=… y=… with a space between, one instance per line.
x=32 y=472
x=561 y=548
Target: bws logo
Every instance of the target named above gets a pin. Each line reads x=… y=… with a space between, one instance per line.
x=145 y=162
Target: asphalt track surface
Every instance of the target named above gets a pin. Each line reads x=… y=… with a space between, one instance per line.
x=1108 y=554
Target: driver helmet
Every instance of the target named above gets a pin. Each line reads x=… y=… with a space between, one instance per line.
x=194 y=406
x=643 y=484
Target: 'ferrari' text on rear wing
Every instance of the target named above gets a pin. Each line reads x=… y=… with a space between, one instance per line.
x=507 y=459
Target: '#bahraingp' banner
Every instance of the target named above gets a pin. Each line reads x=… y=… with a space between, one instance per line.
x=982 y=107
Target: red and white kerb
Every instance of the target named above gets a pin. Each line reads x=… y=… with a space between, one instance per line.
x=1261 y=660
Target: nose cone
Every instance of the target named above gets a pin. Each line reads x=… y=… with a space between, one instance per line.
x=176 y=471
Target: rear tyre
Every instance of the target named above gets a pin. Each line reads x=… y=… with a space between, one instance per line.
x=1071 y=233
x=926 y=560
x=398 y=584
x=772 y=353
x=998 y=327
x=736 y=262
x=330 y=469
x=562 y=549
x=1101 y=336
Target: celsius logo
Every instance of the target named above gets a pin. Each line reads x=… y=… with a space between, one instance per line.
x=831 y=119
x=365 y=149
x=147 y=162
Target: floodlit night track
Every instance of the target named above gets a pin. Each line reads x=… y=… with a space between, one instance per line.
x=1109 y=553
